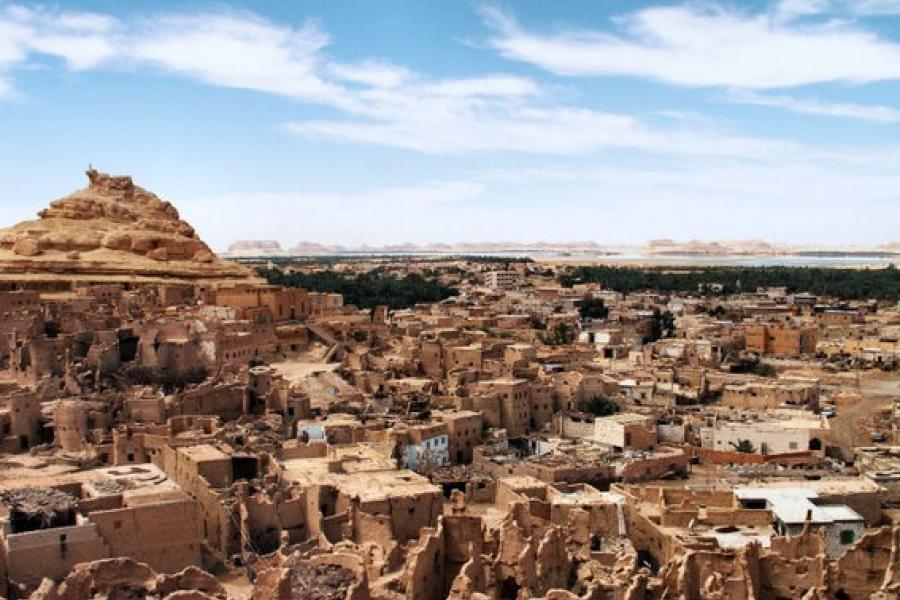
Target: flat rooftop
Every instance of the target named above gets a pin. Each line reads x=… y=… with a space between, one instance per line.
x=791 y=505
x=367 y=485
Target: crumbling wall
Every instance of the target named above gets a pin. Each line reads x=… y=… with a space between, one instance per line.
x=33 y=555
x=228 y=401
x=70 y=419
x=165 y=535
x=869 y=565
x=424 y=574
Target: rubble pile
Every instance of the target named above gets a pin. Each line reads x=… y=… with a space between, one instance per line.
x=38 y=508
x=320 y=581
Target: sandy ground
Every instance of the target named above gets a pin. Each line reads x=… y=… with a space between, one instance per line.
x=295 y=371
x=878 y=390
x=305 y=363
x=36 y=471
x=237 y=586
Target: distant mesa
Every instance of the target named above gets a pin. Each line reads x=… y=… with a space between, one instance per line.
x=111 y=231
x=712 y=248
x=261 y=248
x=662 y=248
x=313 y=249
x=255 y=248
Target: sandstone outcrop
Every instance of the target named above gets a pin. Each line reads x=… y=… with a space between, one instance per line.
x=112 y=231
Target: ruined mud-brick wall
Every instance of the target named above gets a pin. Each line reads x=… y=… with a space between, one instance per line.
x=506 y=494
x=128 y=447
x=376 y=529
x=551 y=473
x=463 y=536
x=177 y=356
x=865 y=567
x=424 y=574
x=514 y=411
x=714 y=574
x=580 y=427
x=217 y=521
x=409 y=512
x=785 y=576
x=675 y=496
x=681 y=516
x=481 y=491
x=484 y=464
x=145 y=410
x=228 y=401
x=543 y=405
x=52 y=553
x=653 y=467
x=44 y=357
x=431 y=359
x=24 y=421
x=327 y=512
x=265 y=519
x=540 y=509
x=165 y=535
x=603 y=518
x=647 y=536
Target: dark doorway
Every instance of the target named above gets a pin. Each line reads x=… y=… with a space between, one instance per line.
x=509 y=589
x=244 y=467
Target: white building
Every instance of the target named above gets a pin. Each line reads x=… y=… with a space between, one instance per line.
x=785 y=436
x=431 y=453
x=792 y=508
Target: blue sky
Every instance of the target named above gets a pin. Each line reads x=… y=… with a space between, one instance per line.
x=406 y=121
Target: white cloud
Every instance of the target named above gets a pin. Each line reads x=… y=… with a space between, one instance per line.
x=788 y=10
x=874 y=7
x=873 y=114
x=706 y=45
x=488 y=85
x=372 y=73
x=81 y=40
x=459 y=128
x=237 y=50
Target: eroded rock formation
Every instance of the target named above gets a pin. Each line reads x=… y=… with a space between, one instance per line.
x=109 y=231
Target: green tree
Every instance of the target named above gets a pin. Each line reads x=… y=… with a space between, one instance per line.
x=593 y=308
x=763 y=369
x=844 y=284
x=366 y=290
x=560 y=335
x=744 y=446
x=662 y=325
x=600 y=406
x=536 y=323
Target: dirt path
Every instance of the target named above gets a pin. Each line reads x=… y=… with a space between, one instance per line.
x=877 y=391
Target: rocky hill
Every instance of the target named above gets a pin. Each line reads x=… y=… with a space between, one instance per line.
x=110 y=231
